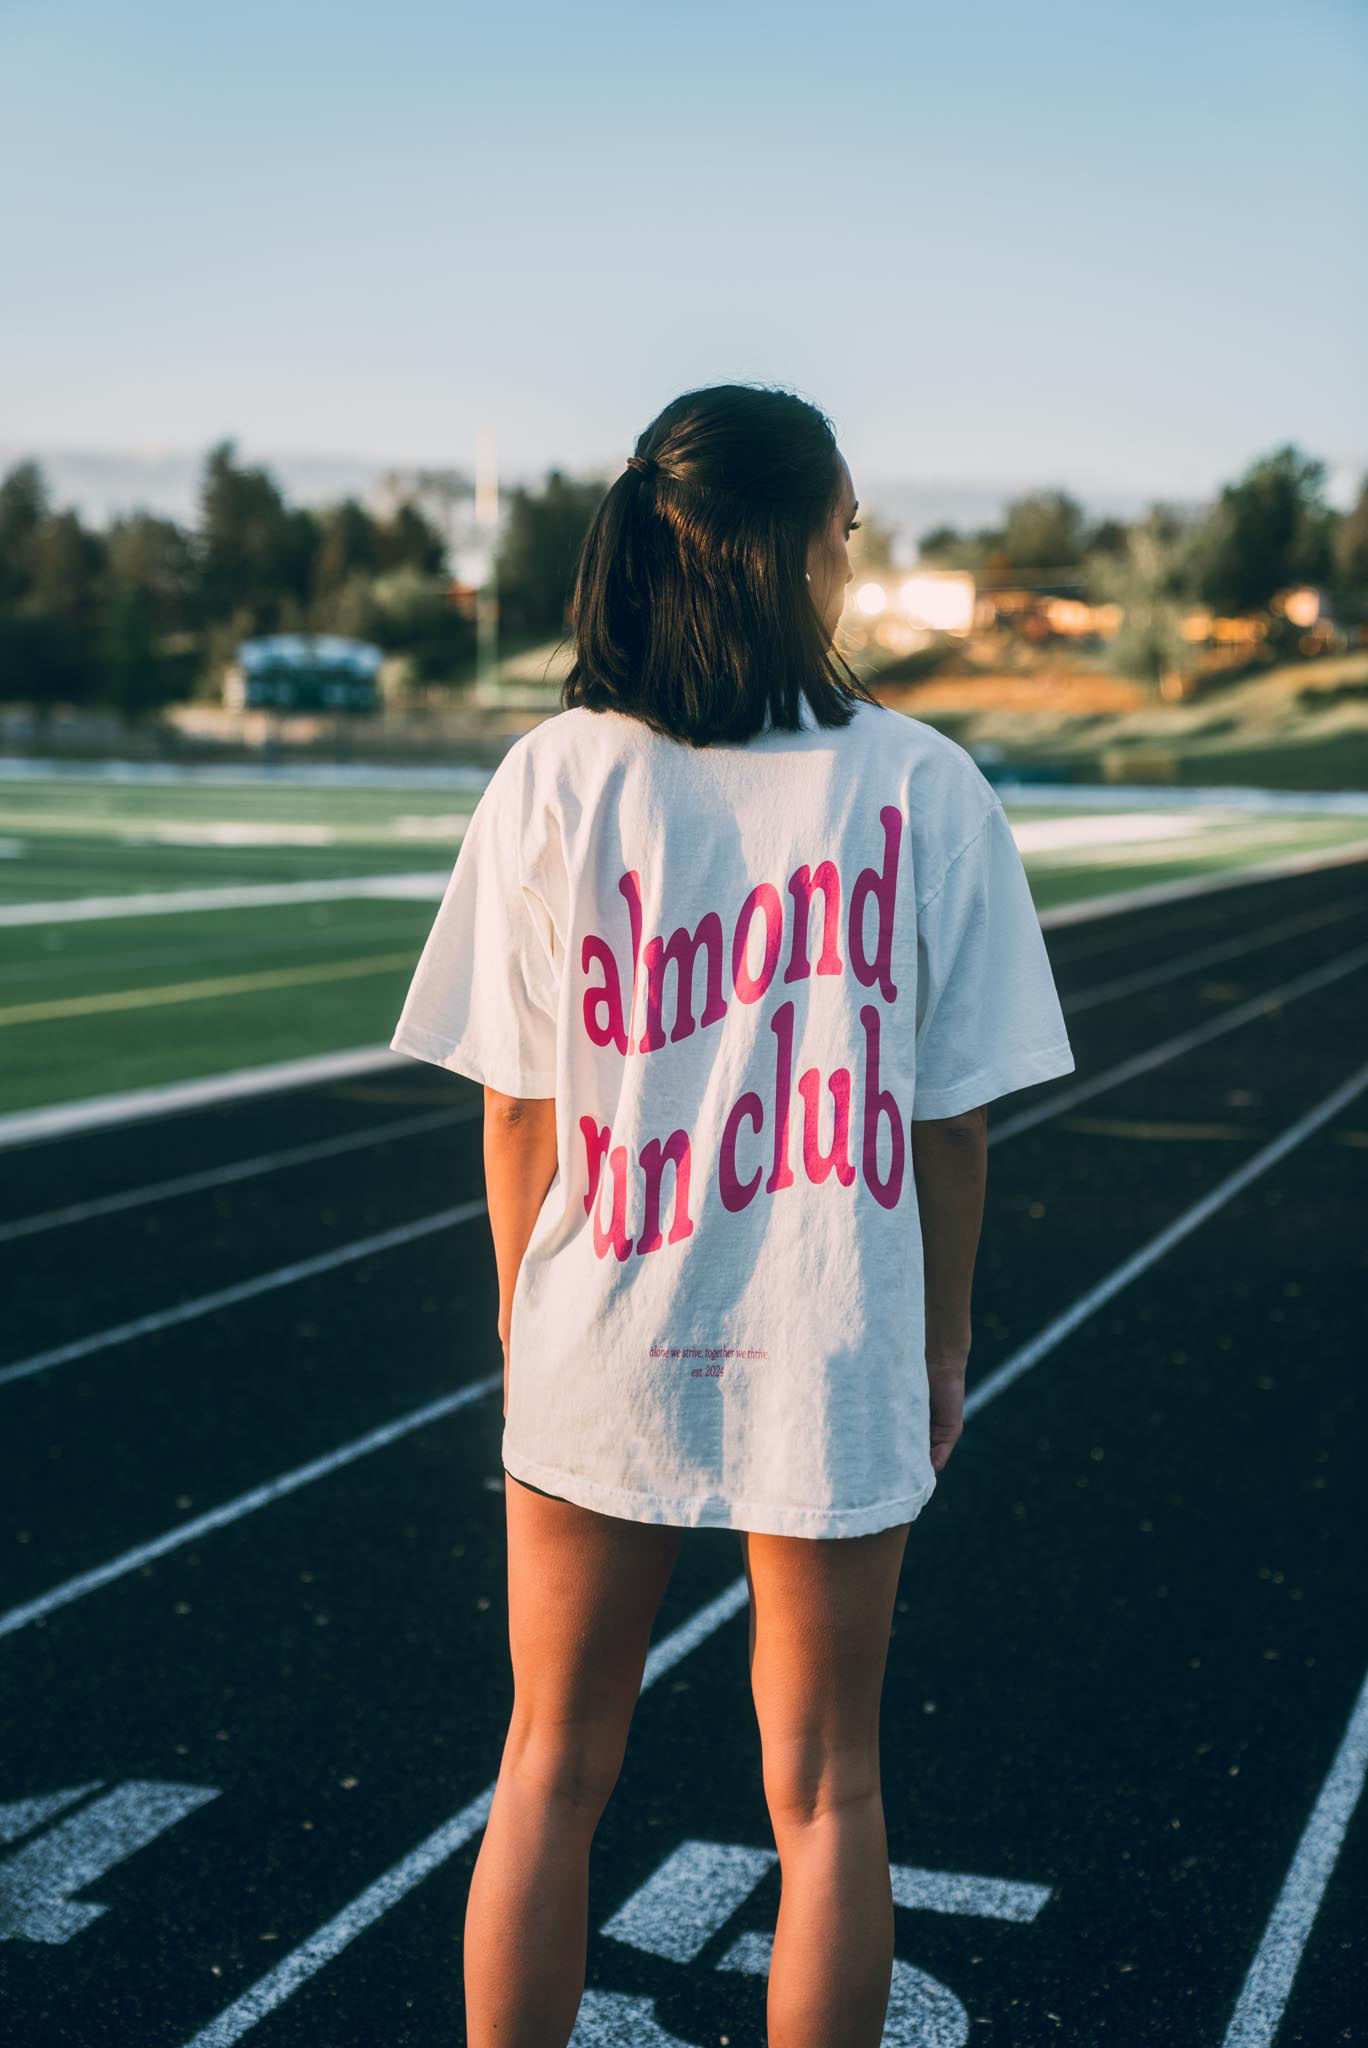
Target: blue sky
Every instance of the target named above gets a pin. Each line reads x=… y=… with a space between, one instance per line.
x=1093 y=246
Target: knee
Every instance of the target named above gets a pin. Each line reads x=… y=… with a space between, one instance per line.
x=806 y=1781
x=571 y=1765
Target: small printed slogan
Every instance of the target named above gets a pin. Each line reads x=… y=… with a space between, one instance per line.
x=757 y=1129
x=715 y=1356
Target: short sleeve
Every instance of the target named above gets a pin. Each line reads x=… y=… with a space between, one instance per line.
x=988 y=1014
x=483 y=998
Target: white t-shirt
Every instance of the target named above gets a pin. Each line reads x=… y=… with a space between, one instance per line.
x=740 y=970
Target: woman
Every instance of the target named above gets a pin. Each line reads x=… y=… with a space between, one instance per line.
x=740 y=956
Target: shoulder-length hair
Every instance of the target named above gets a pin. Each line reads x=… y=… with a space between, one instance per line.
x=690 y=608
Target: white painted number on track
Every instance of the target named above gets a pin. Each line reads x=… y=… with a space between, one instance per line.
x=36 y=1881
x=679 y=1908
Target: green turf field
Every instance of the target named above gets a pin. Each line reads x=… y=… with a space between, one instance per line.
x=99 y=998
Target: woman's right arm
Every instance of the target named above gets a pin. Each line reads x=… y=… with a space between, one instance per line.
x=950 y=1164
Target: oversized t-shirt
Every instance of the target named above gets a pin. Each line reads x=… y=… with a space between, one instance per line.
x=741 y=970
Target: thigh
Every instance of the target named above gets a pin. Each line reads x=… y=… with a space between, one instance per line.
x=583 y=1591
x=821 y=1615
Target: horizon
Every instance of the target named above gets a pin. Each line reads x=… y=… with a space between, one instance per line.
x=102 y=485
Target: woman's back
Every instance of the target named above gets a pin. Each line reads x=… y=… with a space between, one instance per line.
x=741 y=970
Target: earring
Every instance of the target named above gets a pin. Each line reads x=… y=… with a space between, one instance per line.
x=807 y=575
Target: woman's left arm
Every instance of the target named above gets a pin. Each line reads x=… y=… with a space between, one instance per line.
x=520 y=1165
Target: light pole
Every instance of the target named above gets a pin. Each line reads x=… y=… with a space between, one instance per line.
x=487 y=595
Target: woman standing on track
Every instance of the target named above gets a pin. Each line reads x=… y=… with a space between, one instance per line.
x=740 y=956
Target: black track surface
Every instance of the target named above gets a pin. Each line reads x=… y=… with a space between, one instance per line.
x=1131 y=1632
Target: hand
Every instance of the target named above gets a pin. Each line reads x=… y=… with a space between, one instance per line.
x=945 y=1377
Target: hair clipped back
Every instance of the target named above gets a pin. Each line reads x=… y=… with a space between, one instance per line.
x=691 y=610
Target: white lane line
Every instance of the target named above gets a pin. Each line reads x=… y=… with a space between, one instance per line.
x=302 y=1963
x=1061 y=1099
x=1207 y=956
x=1172 y=1234
x=225 y=896
x=131 y=1105
x=303 y=1269
x=35 y=1126
x=296 y=1968
x=1157 y=893
x=1263 y=1997
x=244 y=1290
x=241 y=1169
x=260 y=1496
x=270 y=1162
x=245 y=1503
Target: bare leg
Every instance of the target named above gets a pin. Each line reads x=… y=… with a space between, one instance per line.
x=583 y=1590
x=821 y=1615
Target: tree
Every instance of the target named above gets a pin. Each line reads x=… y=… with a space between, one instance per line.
x=346 y=544
x=943 y=545
x=872 y=548
x=1149 y=580
x=155 y=558
x=67 y=564
x=134 y=677
x=1045 y=530
x=1108 y=537
x=24 y=508
x=1351 y=546
x=540 y=546
x=409 y=541
x=256 y=555
x=1267 y=532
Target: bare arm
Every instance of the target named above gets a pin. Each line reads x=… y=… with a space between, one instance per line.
x=950 y=1164
x=520 y=1165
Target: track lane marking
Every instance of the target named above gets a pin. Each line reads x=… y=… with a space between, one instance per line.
x=37 y=1126
x=1057 y=1101
x=237 y=1170
x=244 y=1504
x=1066 y=1097
x=1107 y=991
x=335 y=1934
x=243 y=1290
x=1268 y=1983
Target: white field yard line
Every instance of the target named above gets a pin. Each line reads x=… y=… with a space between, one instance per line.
x=227 y=896
x=1152 y=894
x=374 y=1134
x=29 y=1126
x=210 y=988
x=303 y=1269
x=333 y=1936
x=1210 y=845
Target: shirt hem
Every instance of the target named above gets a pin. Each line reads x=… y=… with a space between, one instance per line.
x=709 y=1511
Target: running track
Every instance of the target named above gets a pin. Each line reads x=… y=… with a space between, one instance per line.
x=253 y=1642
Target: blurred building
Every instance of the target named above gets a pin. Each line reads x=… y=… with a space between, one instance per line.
x=303 y=672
